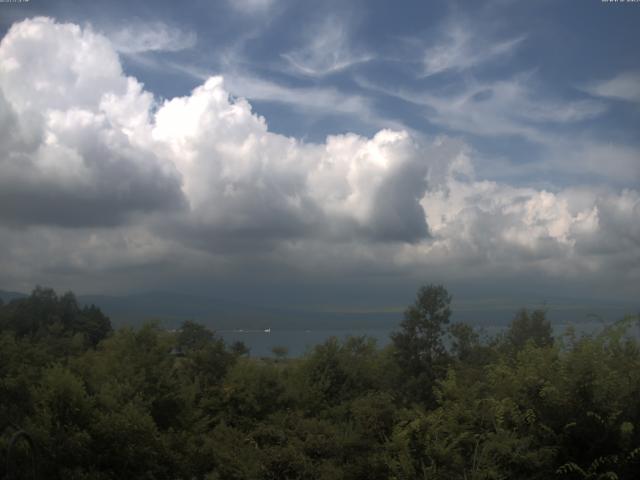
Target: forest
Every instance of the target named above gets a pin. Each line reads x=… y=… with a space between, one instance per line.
x=81 y=400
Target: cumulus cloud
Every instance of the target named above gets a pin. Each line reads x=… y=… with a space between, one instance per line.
x=199 y=182
x=239 y=177
x=76 y=152
x=99 y=147
x=572 y=234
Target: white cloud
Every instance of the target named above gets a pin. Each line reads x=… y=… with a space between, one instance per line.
x=84 y=146
x=76 y=153
x=505 y=107
x=462 y=49
x=514 y=108
x=150 y=37
x=490 y=226
x=326 y=50
x=100 y=148
x=260 y=181
x=46 y=65
x=315 y=100
x=250 y=7
x=615 y=161
x=624 y=86
x=323 y=100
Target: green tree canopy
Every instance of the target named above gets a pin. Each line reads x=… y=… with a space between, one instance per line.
x=419 y=347
x=532 y=327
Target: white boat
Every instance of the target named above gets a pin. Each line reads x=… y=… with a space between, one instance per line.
x=267 y=330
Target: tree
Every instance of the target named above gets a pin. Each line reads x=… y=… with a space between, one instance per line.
x=464 y=340
x=280 y=352
x=419 y=349
x=239 y=349
x=194 y=336
x=527 y=327
x=94 y=324
x=45 y=315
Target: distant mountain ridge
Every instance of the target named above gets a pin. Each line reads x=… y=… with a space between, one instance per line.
x=7 y=296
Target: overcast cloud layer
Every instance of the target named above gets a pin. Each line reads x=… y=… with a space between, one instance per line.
x=107 y=186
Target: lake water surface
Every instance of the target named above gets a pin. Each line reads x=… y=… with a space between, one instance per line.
x=298 y=342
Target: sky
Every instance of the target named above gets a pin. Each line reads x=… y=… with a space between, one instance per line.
x=322 y=153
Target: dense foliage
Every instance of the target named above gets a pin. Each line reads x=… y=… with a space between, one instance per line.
x=438 y=402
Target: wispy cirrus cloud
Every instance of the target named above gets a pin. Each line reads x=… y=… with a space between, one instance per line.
x=317 y=100
x=495 y=108
x=151 y=37
x=624 y=86
x=462 y=49
x=250 y=7
x=327 y=49
x=325 y=100
x=516 y=108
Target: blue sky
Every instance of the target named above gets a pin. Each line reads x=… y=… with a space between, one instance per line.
x=349 y=146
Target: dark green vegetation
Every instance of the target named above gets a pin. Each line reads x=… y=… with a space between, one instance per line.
x=439 y=402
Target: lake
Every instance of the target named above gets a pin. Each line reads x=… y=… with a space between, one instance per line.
x=298 y=342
